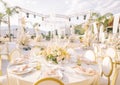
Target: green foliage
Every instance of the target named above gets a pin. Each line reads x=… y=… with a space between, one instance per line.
x=95 y=15
x=52 y=58
x=105 y=20
x=4 y=3
x=3 y=18
x=79 y=30
x=43 y=35
x=32 y=37
x=48 y=37
x=62 y=37
x=9 y=11
x=35 y=24
x=1 y=15
x=102 y=18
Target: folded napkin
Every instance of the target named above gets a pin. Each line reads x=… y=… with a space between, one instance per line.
x=85 y=71
x=53 y=73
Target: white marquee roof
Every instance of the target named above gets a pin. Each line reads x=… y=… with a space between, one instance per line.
x=67 y=6
x=64 y=8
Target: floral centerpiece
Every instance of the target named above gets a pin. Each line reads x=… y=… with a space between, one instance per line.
x=55 y=54
x=23 y=39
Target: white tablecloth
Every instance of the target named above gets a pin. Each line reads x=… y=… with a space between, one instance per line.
x=69 y=77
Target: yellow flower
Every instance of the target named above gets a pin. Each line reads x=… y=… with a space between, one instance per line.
x=56 y=53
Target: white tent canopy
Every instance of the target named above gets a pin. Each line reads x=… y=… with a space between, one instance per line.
x=67 y=6
x=64 y=8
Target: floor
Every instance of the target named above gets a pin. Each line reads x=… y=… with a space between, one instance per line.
x=5 y=63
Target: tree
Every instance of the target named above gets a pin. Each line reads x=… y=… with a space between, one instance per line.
x=2 y=19
x=104 y=20
x=101 y=20
x=2 y=16
x=9 y=11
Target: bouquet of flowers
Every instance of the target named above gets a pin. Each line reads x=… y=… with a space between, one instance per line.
x=55 y=54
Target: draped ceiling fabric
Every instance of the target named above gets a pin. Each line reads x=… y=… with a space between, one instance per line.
x=65 y=8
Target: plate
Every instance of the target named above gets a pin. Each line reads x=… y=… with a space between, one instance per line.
x=53 y=73
x=18 y=61
x=20 y=69
x=86 y=72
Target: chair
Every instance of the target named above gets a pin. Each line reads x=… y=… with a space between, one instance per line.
x=107 y=68
x=111 y=52
x=116 y=23
x=90 y=55
x=116 y=77
x=14 y=54
x=7 y=48
x=95 y=27
x=35 y=50
x=49 y=81
x=11 y=46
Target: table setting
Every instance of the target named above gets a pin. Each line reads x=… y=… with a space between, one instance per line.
x=54 y=61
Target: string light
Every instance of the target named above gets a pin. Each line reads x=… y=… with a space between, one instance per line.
x=34 y=16
x=77 y=17
x=84 y=17
x=27 y=14
x=42 y=18
x=69 y=19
